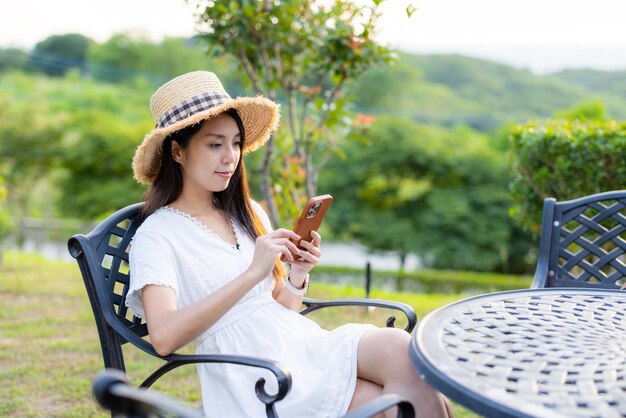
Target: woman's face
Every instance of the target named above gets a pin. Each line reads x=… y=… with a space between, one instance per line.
x=210 y=159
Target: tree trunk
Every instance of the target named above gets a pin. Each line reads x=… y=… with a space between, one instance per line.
x=504 y=259
x=20 y=234
x=399 y=278
x=266 y=182
x=311 y=177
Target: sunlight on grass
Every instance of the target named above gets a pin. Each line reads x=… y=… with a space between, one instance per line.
x=50 y=352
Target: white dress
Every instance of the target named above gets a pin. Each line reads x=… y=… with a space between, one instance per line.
x=173 y=249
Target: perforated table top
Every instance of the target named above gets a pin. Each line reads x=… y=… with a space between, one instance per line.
x=529 y=353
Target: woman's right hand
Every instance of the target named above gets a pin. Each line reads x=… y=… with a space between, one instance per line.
x=270 y=246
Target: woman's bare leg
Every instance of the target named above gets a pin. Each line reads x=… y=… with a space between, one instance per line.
x=363 y=392
x=383 y=359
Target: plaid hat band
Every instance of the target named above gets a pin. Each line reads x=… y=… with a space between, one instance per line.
x=190 y=107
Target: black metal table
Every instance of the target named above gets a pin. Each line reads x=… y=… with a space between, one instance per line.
x=529 y=353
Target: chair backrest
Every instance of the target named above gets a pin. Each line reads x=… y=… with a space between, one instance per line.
x=102 y=256
x=582 y=242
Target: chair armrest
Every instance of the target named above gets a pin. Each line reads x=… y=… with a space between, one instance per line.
x=283 y=376
x=112 y=391
x=314 y=304
x=381 y=404
x=540 y=279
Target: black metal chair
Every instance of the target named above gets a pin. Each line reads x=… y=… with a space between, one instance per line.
x=582 y=242
x=102 y=256
x=112 y=391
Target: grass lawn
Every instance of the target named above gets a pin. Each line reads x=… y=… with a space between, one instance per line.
x=49 y=349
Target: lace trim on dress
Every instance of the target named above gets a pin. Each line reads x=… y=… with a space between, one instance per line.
x=205 y=228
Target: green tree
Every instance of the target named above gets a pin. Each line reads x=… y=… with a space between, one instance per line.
x=29 y=149
x=96 y=178
x=117 y=59
x=587 y=110
x=564 y=159
x=57 y=54
x=12 y=59
x=76 y=134
x=302 y=53
x=440 y=193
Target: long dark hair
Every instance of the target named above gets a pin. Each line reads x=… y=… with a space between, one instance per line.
x=234 y=200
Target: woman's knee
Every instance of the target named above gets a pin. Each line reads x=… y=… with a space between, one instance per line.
x=392 y=342
x=380 y=350
x=398 y=342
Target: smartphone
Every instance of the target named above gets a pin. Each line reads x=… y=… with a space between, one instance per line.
x=311 y=217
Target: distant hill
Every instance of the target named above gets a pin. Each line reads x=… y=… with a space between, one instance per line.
x=445 y=90
x=453 y=89
x=607 y=82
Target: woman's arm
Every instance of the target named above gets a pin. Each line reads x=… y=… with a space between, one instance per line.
x=170 y=328
x=300 y=268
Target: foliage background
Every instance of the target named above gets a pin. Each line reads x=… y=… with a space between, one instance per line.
x=424 y=163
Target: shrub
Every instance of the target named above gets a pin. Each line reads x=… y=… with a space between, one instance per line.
x=565 y=160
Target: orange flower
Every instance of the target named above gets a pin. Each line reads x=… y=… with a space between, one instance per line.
x=356 y=43
x=364 y=120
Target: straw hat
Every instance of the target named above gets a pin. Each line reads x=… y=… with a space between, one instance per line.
x=192 y=98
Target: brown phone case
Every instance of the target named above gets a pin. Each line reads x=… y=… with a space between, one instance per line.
x=311 y=217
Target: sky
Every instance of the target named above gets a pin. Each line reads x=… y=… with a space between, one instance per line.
x=540 y=35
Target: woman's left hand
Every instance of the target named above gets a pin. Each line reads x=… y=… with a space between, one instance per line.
x=309 y=256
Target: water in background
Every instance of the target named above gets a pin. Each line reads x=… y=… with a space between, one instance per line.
x=333 y=254
x=49 y=249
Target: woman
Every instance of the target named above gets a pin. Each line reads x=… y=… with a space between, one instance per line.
x=206 y=268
